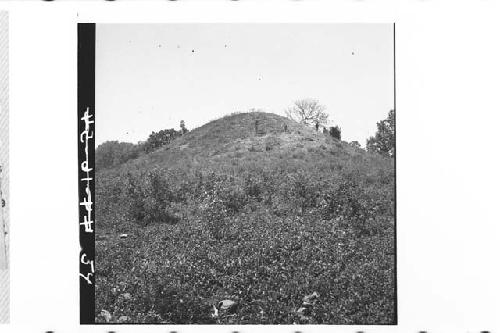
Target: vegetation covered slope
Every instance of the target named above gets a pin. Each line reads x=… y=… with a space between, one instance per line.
x=260 y=217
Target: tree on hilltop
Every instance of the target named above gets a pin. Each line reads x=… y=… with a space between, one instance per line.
x=308 y=111
x=184 y=130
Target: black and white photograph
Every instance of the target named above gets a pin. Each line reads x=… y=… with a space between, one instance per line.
x=4 y=167
x=245 y=174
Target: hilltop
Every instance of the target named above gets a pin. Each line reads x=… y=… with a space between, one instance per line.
x=261 y=217
x=237 y=132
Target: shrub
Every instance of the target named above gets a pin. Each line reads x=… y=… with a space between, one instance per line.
x=152 y=199
x=335 y=132
x=253 y=186
x=354 y=144
x=113 y=153
x=355 y=207
x=161 y=138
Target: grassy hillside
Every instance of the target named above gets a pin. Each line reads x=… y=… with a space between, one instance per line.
x=262 y=218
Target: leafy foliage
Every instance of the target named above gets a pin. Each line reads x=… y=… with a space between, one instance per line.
x=335 y=132
x=384 y=141
x=152 y=200
x=161 y=138
x=263 y=228
x=113 y=153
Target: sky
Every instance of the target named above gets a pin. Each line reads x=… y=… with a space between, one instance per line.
x=151 y=76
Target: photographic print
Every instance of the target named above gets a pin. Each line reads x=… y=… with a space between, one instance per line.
x=4 y=166
x=244 y=173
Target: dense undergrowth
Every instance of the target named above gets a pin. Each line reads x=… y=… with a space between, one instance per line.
x=261 y=228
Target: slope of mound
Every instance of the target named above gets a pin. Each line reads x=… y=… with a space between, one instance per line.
x=235 y=137
x=262 y=217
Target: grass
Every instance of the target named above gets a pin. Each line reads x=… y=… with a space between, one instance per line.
x=262 y=219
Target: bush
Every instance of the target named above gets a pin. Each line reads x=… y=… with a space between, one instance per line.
x=161 y=138
x=335 y=132
x=222 y=197
x=354 y=144
x=113 y=153
x=152 y=199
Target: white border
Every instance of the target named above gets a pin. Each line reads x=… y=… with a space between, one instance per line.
x=447 y=118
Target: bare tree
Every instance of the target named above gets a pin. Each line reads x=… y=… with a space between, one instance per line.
x=308 y=111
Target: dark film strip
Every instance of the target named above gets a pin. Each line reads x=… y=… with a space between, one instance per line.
x=86 y=172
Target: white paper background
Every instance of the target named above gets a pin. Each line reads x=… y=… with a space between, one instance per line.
x=448 y=73
x=4 y=165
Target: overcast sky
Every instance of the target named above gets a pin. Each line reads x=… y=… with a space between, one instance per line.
x=151 y=76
